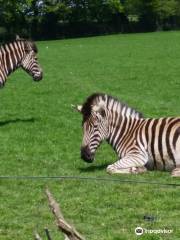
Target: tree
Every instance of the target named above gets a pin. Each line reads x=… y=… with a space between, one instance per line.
x=164 y=11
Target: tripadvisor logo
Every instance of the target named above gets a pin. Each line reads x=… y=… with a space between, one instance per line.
x=140 y=231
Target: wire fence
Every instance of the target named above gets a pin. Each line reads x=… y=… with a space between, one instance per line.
x=81 y=178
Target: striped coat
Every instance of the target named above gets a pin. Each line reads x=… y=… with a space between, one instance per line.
x=20 y=53
x=141 y=143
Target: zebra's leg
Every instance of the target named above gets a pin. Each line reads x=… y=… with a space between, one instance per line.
x=128 y=164
x=176 y=172
x=131 y=170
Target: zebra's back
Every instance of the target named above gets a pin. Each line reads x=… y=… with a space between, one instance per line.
x=161 y=139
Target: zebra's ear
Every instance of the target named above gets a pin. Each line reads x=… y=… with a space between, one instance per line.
x=78 y=108
x=17 y=37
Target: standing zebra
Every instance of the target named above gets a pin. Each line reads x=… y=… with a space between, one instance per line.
x=141 y=143
x=20 y=53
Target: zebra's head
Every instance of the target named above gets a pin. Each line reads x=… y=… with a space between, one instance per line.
x=95 y=125
x=29 y=61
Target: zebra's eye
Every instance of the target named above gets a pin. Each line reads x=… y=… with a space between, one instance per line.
x=95 y=123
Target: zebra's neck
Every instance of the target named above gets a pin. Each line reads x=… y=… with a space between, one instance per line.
x=122 y=121
x=10 y=57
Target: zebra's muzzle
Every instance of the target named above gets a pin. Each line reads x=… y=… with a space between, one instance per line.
x=86 y=154
x=38 y=77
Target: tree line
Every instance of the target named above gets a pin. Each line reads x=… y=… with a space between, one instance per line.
x=52 y=19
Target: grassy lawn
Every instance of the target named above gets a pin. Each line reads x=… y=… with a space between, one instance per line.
x=40 y=136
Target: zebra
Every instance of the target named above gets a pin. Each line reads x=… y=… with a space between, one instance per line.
x=141 y=143
x=19 y=53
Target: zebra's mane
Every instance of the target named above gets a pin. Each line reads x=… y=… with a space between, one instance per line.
x=28 y=44
x=109 y=101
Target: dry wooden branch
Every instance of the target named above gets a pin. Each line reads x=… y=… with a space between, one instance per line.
x=70 y=232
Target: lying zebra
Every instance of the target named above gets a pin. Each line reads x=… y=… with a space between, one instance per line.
x=20 y=53
x=141 y=143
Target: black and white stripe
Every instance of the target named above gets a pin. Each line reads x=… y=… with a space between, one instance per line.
x=139 y=142
x=20 y=53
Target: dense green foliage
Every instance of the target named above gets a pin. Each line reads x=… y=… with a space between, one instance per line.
x=47 y=19
x=40 y=136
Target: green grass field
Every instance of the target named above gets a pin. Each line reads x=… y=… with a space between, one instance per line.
x=40 y=135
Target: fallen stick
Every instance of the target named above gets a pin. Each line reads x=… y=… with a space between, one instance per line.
x=70 y=232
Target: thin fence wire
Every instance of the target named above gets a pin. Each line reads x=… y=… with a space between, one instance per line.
x=81 y=178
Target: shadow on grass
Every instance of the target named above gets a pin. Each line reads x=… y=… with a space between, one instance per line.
x=6 y=122
x=94 y=168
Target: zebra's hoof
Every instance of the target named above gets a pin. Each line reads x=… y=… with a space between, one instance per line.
x=134 y=170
